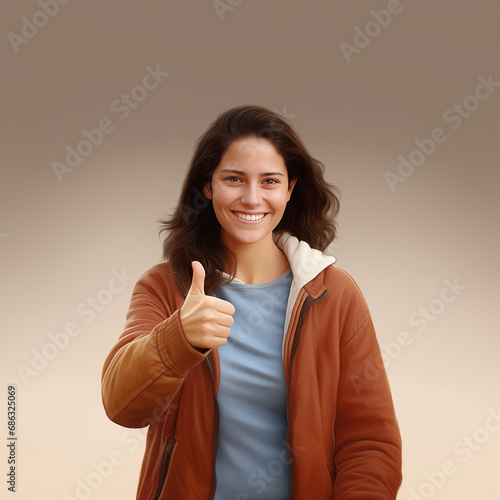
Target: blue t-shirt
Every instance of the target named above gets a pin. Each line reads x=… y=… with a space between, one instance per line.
x=252 y=461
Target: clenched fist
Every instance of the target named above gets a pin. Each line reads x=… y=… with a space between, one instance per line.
x=205 y=320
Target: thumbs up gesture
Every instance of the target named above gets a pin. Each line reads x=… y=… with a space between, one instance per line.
x=205 y=320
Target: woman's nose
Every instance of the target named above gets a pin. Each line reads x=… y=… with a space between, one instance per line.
x=251 y=195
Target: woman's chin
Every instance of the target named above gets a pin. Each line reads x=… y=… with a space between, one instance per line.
x=243 y=237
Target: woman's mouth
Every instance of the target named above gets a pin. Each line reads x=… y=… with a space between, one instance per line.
x=246 y=217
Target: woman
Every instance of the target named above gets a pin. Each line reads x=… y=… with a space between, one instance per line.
x=252 y=358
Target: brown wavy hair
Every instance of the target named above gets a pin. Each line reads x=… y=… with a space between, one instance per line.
x=193 y=231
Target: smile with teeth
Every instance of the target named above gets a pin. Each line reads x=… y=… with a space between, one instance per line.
x=243 y=216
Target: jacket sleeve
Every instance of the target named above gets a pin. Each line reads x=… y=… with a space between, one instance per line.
x=367 y=436
x=148 y=364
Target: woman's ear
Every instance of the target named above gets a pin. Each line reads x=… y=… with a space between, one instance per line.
x=291 y=185
x=207 y=191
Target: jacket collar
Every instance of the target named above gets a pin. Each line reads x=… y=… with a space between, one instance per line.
x=305 y=262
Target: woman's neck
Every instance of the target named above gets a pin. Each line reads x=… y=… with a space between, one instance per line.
x=259 y=262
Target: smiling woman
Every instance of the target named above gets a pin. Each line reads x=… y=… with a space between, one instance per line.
x=244 y=351
x=255 y=154
x=249 y=191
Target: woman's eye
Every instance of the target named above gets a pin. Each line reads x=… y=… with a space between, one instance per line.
x=233 y=178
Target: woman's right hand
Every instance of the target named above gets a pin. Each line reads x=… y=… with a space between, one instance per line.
x=205 y=320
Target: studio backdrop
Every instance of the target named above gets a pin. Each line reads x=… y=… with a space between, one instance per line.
x=101 y=105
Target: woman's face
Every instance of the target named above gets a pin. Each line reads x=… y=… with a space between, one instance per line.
x=250 y=190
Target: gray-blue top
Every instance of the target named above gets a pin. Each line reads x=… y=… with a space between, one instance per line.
x=252 y=461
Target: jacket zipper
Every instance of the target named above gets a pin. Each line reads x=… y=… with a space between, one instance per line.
x=295 y=348
x=217 y=426
x=164 y=465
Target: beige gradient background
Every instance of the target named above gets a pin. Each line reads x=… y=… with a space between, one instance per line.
x=61 y=241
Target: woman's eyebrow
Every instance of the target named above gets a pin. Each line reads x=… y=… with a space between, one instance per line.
x=240 y=172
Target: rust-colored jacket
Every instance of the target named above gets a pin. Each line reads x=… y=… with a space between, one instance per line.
x=343 y=438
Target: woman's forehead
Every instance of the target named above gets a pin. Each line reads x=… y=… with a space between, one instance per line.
x=252 y=154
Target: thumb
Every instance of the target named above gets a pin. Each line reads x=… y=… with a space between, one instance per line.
x=198 y=282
